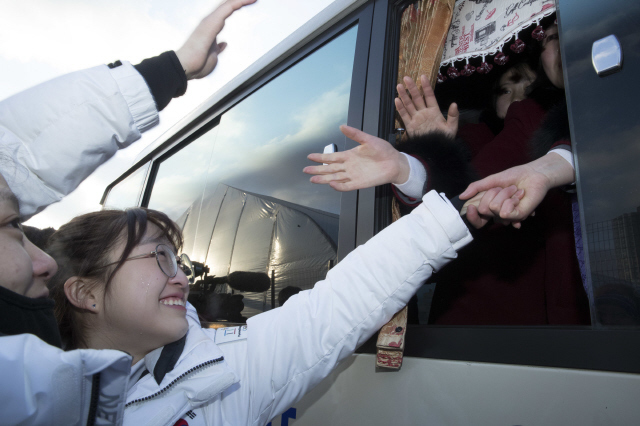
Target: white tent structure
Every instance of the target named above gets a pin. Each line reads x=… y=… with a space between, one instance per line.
x=255 y=233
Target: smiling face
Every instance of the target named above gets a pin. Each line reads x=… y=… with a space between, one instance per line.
x=550 y=56
x=143 y=308
x=24 y=268
x=513 y=87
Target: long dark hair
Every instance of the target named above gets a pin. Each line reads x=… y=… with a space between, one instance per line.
x=82 y=246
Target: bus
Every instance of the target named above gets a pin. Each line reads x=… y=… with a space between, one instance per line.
x=230 y=174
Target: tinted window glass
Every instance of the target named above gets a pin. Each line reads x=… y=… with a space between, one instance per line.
x=248 y=211
x=127 y=193
x=605 y=126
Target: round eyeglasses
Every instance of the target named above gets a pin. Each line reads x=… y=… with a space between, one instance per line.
x=167 y=260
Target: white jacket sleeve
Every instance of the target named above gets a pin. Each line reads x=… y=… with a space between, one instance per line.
x=54 y=135
x=43 y=385
x=292 y=348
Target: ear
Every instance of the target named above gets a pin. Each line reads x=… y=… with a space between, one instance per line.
x=81 y=294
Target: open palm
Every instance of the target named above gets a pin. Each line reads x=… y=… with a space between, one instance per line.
x=422 y=114
x=374 y=162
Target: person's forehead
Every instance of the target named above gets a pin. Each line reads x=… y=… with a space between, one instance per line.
x=155 y=236
x=511 y=76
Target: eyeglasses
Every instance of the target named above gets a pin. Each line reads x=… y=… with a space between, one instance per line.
x=167 y=260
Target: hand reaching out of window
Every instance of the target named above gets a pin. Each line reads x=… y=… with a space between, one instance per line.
x=375 y=162
x=421 y=114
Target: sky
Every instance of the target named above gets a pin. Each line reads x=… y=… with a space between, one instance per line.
x=42 y=39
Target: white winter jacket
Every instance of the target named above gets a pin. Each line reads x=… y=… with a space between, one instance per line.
x=59 y=132
x=248 y=381
x=43 y=385
x=290 y=349
x=52 y=137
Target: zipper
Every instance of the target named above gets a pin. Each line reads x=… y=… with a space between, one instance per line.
x=176 y=380
x=95 y=397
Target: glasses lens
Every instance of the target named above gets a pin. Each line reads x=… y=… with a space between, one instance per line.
x=187 y=267
x=166 y=260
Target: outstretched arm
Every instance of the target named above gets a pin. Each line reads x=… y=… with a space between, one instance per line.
x=292 y=348
x=57 y=133
x=422 y=115
x=535 y=179
x=375 y=162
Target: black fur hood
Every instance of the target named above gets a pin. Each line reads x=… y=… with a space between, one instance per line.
x=447 y=160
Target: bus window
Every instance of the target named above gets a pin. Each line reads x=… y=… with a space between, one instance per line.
x=530 y=276
x=247 y=210
x=127 y=193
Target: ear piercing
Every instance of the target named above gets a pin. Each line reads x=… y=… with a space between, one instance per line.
x=94 y=305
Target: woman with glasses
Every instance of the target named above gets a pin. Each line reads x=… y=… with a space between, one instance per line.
x=120 y=286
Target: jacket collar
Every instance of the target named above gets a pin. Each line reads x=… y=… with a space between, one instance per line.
x=163 y=360
x=200 y=374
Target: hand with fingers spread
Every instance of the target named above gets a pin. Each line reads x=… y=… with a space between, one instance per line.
x=375 y=162
x=422 y=114
x=535 y=179
x=199 y=54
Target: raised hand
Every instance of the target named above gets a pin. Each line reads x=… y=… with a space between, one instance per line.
x=199 y=54
x=422 y=114
x=375 y=162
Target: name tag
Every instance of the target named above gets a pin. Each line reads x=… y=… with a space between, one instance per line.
x=229 y=334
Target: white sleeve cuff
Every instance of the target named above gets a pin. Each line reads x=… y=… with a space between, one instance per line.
x=136 y=93
x=414 y=185
x=564 y=153
x=448 y=217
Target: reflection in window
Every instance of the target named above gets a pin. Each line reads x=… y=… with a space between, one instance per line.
x=614 y=249
x=127 y=193
x=180 y=178
x=247 y=210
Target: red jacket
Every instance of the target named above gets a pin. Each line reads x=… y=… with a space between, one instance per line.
x=508 y=276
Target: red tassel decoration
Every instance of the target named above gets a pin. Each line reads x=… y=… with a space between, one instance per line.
x=538 y=33
x=518 y=46
x=468 y=69
x=452 y=72
x=501 y=59
x=484 y=68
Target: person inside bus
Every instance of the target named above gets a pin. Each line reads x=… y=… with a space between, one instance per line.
x=540 y=176
x=114 y=104
x=508 y=276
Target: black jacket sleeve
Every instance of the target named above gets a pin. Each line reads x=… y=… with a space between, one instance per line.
x=164 y=76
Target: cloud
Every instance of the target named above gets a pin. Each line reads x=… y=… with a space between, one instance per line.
x=243 y=155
